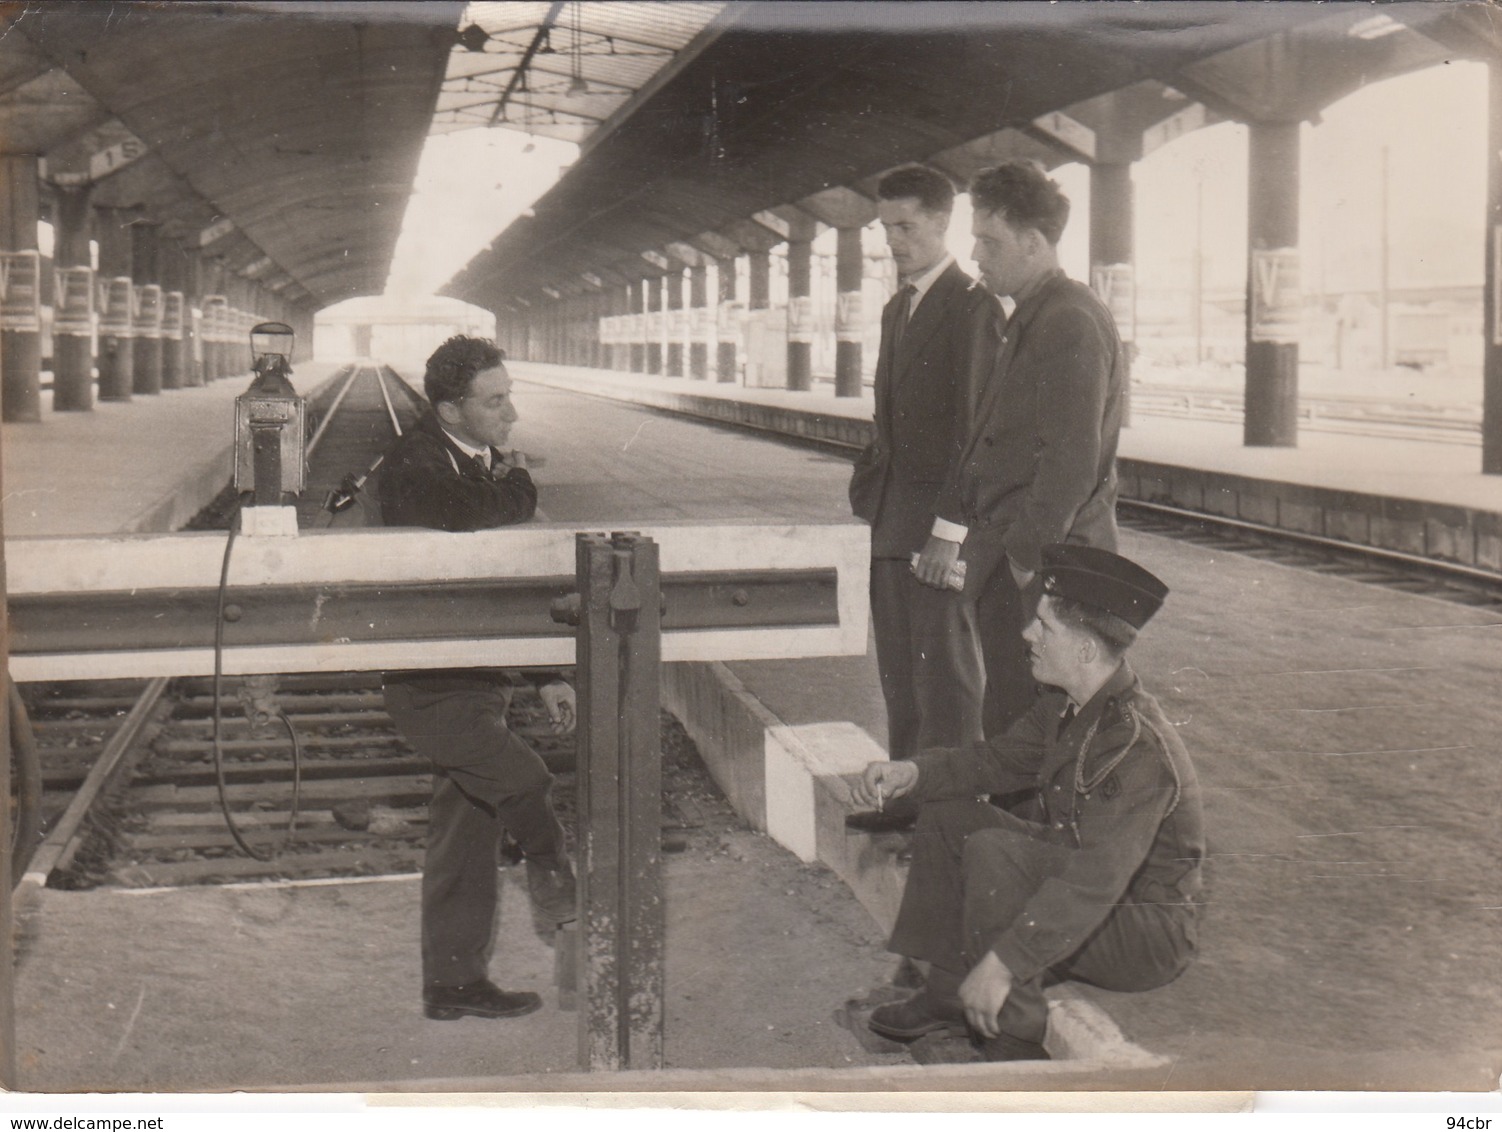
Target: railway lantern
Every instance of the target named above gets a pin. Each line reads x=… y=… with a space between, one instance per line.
x=270 y=421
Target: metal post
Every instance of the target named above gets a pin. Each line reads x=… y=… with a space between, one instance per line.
x=1273 y=305
x=800 y=309
x=620 y=803
x=20 y=288
x=849 y=323
x=699 y=321
x=1491 y=316
x=147 y=378
x=73 y=307
x=725 y=329
x=675 y=321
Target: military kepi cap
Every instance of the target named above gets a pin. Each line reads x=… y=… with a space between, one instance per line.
x=1106 y=581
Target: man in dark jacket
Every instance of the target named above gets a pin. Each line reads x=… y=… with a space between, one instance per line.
x=453 y=472
x=1097 y=876
x=1039 y=465
x=938 y=338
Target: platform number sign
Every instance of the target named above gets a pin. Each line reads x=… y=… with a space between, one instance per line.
x=1276 y=297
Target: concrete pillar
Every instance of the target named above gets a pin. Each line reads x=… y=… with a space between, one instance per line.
x=849 y=319
x=727 y=342
x=1491 y=364
x=21 y=296
x=236 y=340
x=73 y=302
x=1113 y=258
x=654 y=324
x=171 y=271
x=620 y=349
x=638 y=295
x=800 y=308
x=117 y=356
x=673 y=286
x=1273 y=303
x=759 y=281
x=190 y=282
x=699 y=322
x=145 y=275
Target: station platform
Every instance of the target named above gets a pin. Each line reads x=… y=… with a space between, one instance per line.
x=1344 y=737
x=1423 y=497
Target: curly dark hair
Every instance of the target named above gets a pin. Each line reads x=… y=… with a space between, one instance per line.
x=453 y=366
x=1025 y=197
x=933 y=191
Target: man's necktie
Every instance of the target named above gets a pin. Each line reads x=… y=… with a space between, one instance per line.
x=904 y=312
x=1067 y=718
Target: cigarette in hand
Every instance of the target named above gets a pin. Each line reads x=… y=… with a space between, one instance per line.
x=879 y=802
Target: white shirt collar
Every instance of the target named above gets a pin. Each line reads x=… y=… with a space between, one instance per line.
x=921 y=283
x=482 y=454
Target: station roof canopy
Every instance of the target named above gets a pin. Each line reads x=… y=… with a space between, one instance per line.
x=282 y=138
x=772 y=112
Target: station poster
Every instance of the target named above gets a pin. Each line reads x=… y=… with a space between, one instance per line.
x=848 y=326
x=74 y=315
x=801 y=318
x=1276 y=298
x=117 y=300
x=172 y=316
x=20 y=291
x=1115 y=284
x=148 y=320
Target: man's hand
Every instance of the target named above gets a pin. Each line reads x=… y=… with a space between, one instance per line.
x=1019 y=575
x=882 y=781
x=510 y=458
x=984 y=992
x=562 y=704
x=936 y=561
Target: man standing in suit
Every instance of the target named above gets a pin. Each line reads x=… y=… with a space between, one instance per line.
x=938 y=337
x=452 y=472
x=1039 y=465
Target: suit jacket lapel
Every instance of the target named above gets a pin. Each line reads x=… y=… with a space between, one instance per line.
x=926 y=319
x=1016 y=327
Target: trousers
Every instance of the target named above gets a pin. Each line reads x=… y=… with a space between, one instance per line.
x=974 y=869
x=928 y=654
x=1002 y=611
x=486 y=781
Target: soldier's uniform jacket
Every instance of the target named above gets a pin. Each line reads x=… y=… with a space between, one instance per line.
x=1115 y=785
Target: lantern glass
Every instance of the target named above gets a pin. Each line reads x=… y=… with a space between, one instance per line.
x=270 y=338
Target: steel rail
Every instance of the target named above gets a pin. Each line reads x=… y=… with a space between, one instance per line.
x=61 y=842
x=328 y=417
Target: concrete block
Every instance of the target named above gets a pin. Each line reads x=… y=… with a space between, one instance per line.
x=1353 y=526
x=1488 y=550
x=1406 y=535
x=1306 y=517
x=1445 y=540
x=1186 y=488
x=1257 y=506
x=729 y=725
x=1220 y=499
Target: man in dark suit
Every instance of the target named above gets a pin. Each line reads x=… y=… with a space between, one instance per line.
x=938 y=337
x=452 y=472
x=1039 y=464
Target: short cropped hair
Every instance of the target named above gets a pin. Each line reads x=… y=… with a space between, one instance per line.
x=1114 y=634
x=453 y=366
x=1024 y=196
x=933 y=190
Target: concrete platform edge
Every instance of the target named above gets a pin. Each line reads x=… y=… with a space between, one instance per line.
x=1445 y=531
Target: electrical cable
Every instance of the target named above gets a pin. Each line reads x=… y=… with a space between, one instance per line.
x=229 y=819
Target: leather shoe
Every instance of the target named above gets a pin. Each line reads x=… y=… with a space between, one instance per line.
x=553 y=890
x=909 y=1020
x=881 y=821
x=483 y=999
x=1004 y=1047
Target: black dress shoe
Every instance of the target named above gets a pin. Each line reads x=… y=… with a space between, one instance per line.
x=909 y=1020
x=483 y=999
x=881 y=821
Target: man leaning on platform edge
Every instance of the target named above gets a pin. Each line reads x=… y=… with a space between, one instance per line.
x=453 y=472
x=938 y=340
x=1039 y=465
x=1095 y=876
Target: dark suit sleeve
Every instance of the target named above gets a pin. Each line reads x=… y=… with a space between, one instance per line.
x=1071 y=352
x=420 y=488
x=997 y=766
x=981 y=338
